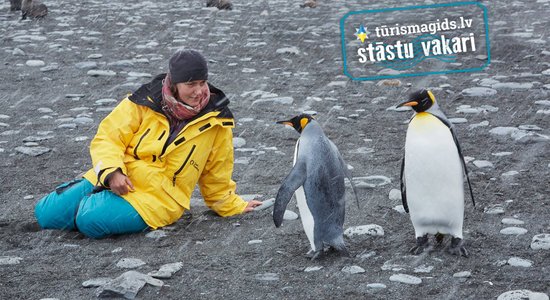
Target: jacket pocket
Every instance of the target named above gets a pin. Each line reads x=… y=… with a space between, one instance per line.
x=175 y=193
x=183 y=165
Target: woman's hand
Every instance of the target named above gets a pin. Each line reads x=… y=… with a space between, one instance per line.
x=251 y=205
x=119 y=183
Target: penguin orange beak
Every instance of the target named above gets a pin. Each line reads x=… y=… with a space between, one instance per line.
x=286 y=123
x=408 y=103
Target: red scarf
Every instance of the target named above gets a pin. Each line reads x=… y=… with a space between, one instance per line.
x=175 y=108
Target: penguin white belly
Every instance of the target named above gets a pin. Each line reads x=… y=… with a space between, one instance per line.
x=305 y=214
x=433 y=178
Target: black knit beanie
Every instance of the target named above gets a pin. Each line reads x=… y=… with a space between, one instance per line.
x=187 y=65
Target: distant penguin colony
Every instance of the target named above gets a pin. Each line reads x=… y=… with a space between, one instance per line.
x=317 y=180
x=33 y=9
x=432 y=175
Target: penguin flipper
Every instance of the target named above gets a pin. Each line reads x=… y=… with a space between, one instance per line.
x=463 y=165
x=348 y=175
x=291 y=183
x=403 y=187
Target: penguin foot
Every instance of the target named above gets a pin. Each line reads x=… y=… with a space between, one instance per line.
x=421 y=244
x=457 y=248
x=313 y=255
x=439 y=238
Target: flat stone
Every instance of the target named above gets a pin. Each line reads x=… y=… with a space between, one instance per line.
x=376 y=286
x=101 y=73
x=127 y=285
x=423 y=269
x=35 y=63
x=371 y=229
x=509 y=174
x=519 y=262
x=395 y=195
x=530 y=127
x=156 y=234
x=288 y=50
x=400 y=209
x=313 y=269
x=479 y=92
x=267 y=277
x=404 y=278
x=130 y=263
x=86 y=65
x=496 y=209
x=483 y=164
x=458 y=120
x=522 y=295
x=239 y=142
x=512 y=221
x=513 y=231
x=541 y=242
x=10 y=260
x=32 y=151
x=166 y=271
x=83 y=120
x=506 y=153
x=370 y=181
x=290 y=215
x=512 y=85
x=463 y=274
x=254 y=242
x=353 y=270
x=265 y=204
x=141 y=75
x=96 y=282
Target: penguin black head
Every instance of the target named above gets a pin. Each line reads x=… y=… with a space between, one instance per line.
x=299 y=122
x=420 y=100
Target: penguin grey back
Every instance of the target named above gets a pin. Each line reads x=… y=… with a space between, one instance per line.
x=33 y=9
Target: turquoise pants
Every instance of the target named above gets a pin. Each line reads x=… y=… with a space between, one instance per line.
x=73 y=206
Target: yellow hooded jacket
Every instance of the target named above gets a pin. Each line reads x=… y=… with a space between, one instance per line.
x=133 y=138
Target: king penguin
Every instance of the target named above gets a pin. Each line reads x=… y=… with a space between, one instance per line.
x=432 y=169
x=317 y=179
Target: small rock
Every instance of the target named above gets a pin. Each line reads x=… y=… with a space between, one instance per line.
x=530 y=127
x=166 y=271
x=395 y=195
x=496 y=209
x=267 y=277
x=32 y=151
x=463 y=274
x=275 y=100
x=519 y=262
x=513 y=231
x=288 y=50
x=290 y=215
x=96 y=282
x=353 y=270
x=156 y=234
x=28 y=197
x=313 y=269
x=541 y=241
x=253 y=242
x=479 y=92
x=376 y=286
x=127 y=285
x=10 y=260
x=483 y=164
x=265 y=204
x=371 y=229
x=404 y=278
x=35 y=63
x=512 y=221
x=522 y=295
x=400 y=209
x=130 y=263
x=101 y=73
x=458 y=120
x=423 y=269
x=239 y=142
x=502 y=153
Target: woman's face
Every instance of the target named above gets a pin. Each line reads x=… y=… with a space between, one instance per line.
x=190 y=92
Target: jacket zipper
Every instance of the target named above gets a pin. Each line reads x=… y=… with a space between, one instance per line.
x=140 y=140
x=183 y=165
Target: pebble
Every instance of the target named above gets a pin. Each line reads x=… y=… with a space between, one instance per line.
x=522 y=295
x=496 y=209
x=138 y=74
x=10 y=260
x=86 y=65
x=353 y=270
x=265 y=204
x=101 y=73
x=541 y=242
x=130 y=263
x=423 y=269
x=376 y=286
x=166 y=271
x=458 y=120
x=267 y=277
x=463 y=274
x=370 y=181
x=96 y=282
x=479 y=92
x=254 y=242
x=156 y=234
x=127 y=285
x=480 y=124
x=512 y=85
x=28 y=197
x=366 y=255
x=313 y=269
x=290 y=215
x=35 y=63
x=513 y=231
x=530 y=127
x=239 y=142
x=512 y=221
x=483 y=164
x=519 y=262
x=509 y=174
x=395 y=195
x=400 y=209
x=32 y=151
x=83 y=120
x=502 y=153
x=371 y=229
x=404 y=278
x=288 y=50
